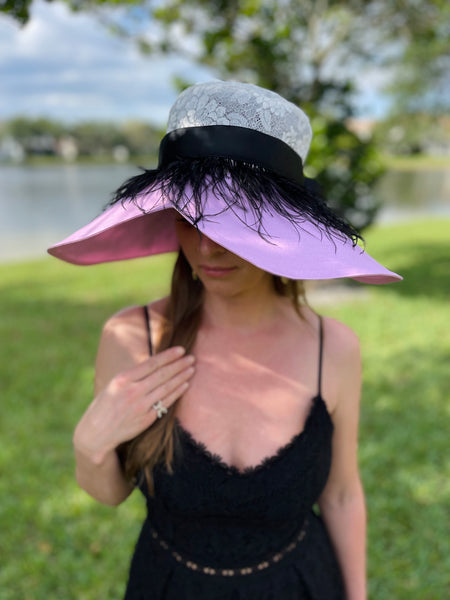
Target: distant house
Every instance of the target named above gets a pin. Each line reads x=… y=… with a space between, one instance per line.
x=11 y=150
x=362 y=127
x=40 y=144
x=67 y=148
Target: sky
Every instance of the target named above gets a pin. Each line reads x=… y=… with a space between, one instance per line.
x=68 y=67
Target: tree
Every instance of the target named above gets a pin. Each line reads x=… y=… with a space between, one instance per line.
x=238 y=36
x=312 y=53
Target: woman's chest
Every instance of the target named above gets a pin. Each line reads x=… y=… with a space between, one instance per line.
x=244 y=407
x=280 y=486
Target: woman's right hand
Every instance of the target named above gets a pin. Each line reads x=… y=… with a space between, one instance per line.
x=124 y=408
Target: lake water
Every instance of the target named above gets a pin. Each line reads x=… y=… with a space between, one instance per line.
x=42 y=205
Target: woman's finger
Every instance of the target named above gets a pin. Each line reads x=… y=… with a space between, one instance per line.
x=155 y=362
x=152 y=413
x=166 y=373
x=166 y=389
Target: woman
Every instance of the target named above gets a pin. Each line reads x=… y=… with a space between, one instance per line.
x=231 y=404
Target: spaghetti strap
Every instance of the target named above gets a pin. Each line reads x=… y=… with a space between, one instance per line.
x=319 y=383
x=149 y=333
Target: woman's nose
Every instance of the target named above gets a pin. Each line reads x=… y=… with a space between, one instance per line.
x=207 y=246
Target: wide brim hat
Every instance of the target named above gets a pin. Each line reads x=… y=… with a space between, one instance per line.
x=231 y=164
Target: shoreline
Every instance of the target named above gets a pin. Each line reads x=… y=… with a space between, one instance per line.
x=390 y=162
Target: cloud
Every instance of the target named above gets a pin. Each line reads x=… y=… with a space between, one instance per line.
x=67 y=66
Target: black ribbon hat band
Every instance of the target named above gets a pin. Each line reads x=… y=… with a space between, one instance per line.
x=237 y=143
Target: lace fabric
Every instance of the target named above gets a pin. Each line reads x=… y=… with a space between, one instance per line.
x=242 y=105
x=217 y=517
x=266 y=462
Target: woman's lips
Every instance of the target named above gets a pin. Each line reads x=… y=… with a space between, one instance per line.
x=211 y=271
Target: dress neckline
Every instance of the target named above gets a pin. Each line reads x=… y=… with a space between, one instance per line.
x=318 y=405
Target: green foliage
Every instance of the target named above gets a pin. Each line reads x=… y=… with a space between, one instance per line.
x=314 y=50
x=17 y=9
x=97 y=138
x=20 y=10
x=92 y=139
x=414 y=133
x=290 y=43
x=347 y=168
x=58 y=543
x=23 y=127
x=422 y=81
x=141 y=138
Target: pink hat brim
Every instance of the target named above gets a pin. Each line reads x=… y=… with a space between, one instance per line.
x=147 y=227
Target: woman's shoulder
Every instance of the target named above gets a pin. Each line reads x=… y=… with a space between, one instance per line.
x=127 y=327
x=339 y=337
x=124 y=340
x=341 y=351
x=341 y=358
x=342 y=362
x=131 y=316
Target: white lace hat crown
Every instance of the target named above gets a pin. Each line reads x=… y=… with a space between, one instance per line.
x=242 y=105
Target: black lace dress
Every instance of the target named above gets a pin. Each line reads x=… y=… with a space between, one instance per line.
x=215 y=533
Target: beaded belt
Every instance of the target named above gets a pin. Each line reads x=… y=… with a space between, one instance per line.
x=256 y=568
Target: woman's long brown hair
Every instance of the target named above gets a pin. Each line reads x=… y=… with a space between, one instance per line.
x=156 y=444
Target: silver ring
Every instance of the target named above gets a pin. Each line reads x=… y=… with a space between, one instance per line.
x=161 y=410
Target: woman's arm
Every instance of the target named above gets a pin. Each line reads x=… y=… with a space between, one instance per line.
x=342 y=502
x=127 y=384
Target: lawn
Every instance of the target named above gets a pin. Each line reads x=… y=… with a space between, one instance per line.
x=57 y=543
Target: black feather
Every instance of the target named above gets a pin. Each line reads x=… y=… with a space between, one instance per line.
x=247 y=187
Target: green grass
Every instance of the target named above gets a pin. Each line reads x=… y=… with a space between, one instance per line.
x=411 y=162
x=416 y=162
x=57 y=543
